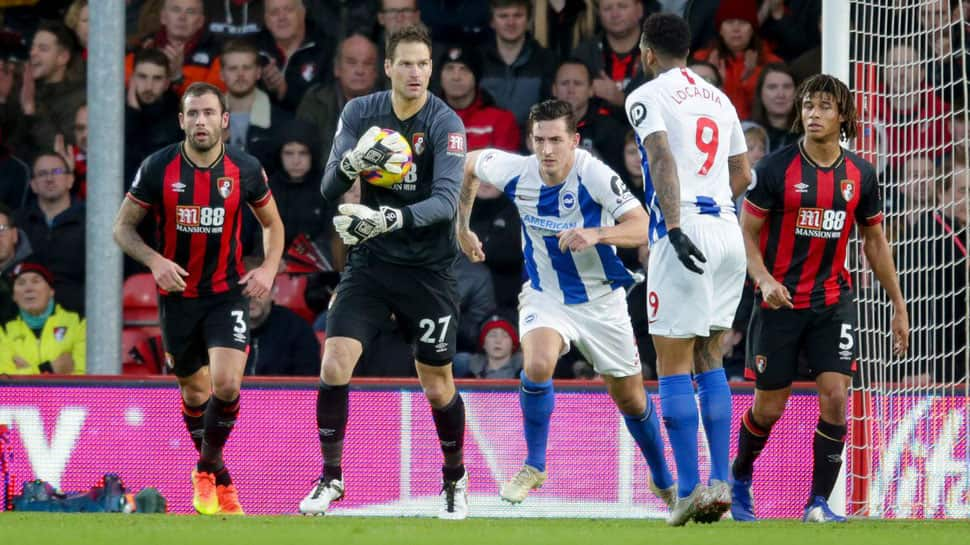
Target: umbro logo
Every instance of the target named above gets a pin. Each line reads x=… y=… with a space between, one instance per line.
x=801 y=187
x=178 y=187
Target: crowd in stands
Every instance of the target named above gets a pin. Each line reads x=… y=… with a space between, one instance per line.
x=289 y=66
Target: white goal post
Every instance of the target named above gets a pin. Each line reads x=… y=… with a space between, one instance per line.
x=905 y=62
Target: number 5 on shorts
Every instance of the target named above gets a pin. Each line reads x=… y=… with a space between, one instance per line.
x=845 y=338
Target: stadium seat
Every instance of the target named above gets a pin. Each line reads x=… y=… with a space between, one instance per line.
x=131 y=337
x=140 y=300
x=142 y=353
x=288 y=292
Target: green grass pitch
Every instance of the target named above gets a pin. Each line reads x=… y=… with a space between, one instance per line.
x=64 y=529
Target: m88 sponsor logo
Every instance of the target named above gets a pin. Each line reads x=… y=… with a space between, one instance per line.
x=200 y=219
x=820 y=223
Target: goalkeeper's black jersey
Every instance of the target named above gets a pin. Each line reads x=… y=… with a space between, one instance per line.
x=429 y=191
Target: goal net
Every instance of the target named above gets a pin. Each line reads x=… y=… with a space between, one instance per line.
x=908 y=452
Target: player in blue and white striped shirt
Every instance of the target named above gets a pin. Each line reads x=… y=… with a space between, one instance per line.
x=574 y=211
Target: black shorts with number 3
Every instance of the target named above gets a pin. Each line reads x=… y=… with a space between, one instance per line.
x=193 y=325
x=423 y=301
x=776 y=338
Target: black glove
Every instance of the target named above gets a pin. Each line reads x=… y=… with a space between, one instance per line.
x=685 y=249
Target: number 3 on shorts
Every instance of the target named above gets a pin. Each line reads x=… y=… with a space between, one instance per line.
x=427 y=326
x=240 y=323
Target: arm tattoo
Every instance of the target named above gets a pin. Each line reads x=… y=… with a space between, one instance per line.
x=663 y=171
x=469 y=188
x=738 y=173
x=125 y=235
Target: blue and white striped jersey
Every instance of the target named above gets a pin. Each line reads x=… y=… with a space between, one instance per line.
x=592 y=195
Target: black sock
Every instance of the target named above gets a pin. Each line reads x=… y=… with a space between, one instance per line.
x=220 y=417
x=449 y=421
x=333 y=403
x=751 y=440
x=332 y=472
x=222 y=477
x=194 y=422
x=827 y=450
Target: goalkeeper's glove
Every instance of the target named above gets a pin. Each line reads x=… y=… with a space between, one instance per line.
x=388 y=154
x=686 y=250
x=357 y=223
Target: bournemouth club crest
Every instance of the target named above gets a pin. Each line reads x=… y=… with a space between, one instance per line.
x=225 y=187
x=760 y=362
x=417 y=143
x=848 y=189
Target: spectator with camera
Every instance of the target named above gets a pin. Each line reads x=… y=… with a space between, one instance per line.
x=43 y=338
x=296 y=57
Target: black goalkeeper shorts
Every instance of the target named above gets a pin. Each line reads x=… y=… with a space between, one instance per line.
x=423 y=301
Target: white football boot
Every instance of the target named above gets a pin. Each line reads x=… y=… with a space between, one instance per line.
x=454 y=494
x=526 y=480
x=323 y=494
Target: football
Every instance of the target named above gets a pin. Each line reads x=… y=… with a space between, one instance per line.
x=390 y=140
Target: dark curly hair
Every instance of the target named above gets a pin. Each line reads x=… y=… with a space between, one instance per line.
x=824 y=83
x=667 y=34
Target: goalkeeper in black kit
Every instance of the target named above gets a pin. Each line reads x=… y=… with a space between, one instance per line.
x=402 y=241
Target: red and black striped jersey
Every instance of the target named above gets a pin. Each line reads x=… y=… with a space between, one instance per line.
x=198 y=211
x=809 y=211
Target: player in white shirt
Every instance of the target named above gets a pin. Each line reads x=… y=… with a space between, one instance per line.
x=694 y=165
x=574 y=211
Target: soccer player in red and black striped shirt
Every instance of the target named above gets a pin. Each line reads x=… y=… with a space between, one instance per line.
x=796 y=223
x=196 y=189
